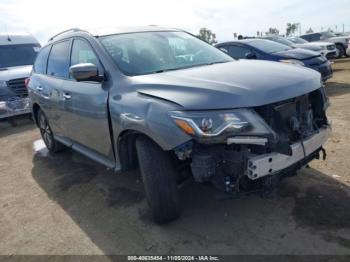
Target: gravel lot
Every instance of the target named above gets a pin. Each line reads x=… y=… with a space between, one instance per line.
x=65 y=204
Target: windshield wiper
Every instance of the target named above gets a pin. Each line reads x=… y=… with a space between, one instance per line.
x=185 y=67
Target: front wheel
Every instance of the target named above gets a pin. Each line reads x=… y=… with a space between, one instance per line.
x=159 y=178
x=46 y=133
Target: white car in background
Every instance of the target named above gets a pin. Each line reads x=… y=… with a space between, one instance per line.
x=17 y=55
x=327 y=49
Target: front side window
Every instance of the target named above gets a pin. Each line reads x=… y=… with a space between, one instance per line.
x=58 y=63
x=238 y=52
x=41 y=60
x=18 y=55
x=83 y=53
x=314 y=37
x=268 y=46
x=156 y=52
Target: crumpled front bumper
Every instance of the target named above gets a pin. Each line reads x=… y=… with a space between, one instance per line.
x=268 y=164
x=14 y=106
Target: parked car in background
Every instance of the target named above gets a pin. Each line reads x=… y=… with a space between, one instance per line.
x=17 y=55
x=327 y=49
x=173 y=105
x=341 y=42
x=285 y=41
x=263 y=49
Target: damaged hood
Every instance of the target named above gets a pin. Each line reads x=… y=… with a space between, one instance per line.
x=15 y=72
x=236 y=84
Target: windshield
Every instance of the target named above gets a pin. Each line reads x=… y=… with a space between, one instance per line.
x=156 y=52
x=284 y=41
x=298 y=40
x=329 y=34
x=18 y=55
x=268 y=46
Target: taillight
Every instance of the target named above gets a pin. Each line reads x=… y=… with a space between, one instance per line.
x=26 y=82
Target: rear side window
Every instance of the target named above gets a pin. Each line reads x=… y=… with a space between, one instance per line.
x=58 y=63
x=238 y=52
x=41 y=60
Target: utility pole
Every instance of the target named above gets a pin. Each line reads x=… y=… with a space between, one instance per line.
x=343 y=28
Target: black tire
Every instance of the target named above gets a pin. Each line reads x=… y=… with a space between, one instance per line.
x=46 y=134
x=340 y=50
x=159 y=178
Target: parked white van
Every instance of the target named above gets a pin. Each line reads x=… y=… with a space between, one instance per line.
x=17 y=55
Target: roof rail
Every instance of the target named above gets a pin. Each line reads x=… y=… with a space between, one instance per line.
x=66 y=31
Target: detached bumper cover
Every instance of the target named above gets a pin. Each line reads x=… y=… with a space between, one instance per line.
x=14 y=106
x=267 y=164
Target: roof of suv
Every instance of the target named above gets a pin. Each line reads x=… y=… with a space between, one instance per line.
x=104 y=31
x=17 y=39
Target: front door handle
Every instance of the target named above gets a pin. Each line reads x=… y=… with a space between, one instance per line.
x=66 y=96
x=39 y=88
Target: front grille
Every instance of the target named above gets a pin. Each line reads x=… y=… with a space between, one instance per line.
x=291 y=118
x=331 y=47
x=18 y=86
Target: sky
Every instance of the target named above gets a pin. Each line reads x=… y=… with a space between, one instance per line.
x=44 y=18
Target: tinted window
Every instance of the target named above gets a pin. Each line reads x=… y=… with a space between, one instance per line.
x=17 y=55
x=268 y=46
x=238 y=52
x=59 y=60
x=156 y=52
x=41 y=60
x=312 y=37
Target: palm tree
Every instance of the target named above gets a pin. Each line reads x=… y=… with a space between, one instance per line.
x=291 y=28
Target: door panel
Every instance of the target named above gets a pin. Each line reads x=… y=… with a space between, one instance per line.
x=57 y=72
x=85 y=107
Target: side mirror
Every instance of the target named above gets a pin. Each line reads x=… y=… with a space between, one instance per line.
x=85 y=72
x=250 y=55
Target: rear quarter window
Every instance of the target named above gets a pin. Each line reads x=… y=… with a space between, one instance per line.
x=58 y=63
x=41 y=60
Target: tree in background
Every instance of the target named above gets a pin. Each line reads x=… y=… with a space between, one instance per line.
x=291 y=28
x=273 y=31
x=309 y=31
x=207 y=35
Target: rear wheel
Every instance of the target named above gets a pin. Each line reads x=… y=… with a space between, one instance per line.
x=159 y=178
x=46 y=133
x=340 y=50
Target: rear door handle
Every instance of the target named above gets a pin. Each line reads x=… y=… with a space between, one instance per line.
x=66 y=96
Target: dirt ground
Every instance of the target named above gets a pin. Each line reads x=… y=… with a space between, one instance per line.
x=65 y=204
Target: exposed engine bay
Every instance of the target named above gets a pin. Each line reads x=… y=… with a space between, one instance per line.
x=299 y=128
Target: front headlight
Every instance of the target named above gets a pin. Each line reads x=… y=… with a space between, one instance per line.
x=3 y=84
x=210 y=123
x=293 y=62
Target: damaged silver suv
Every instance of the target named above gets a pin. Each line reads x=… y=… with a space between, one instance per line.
x=172 y=105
